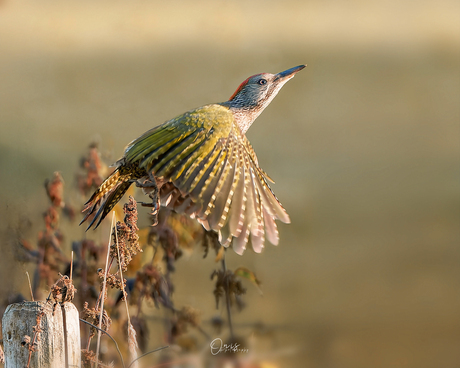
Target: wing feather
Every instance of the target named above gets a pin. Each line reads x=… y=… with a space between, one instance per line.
x=185 y=166
x=192 y=179
x=270 y=227
x=175 y=157
x=210 y=171
x=155 y=141
x=239 y=243
x=237 y=209
x=257 y=225
x=271 y=203
x=217 y=210
x=234 y=202
x=206 y=191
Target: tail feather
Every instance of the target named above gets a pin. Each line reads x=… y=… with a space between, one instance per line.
x=106 y=197
x=112 y=199
x=88 y=214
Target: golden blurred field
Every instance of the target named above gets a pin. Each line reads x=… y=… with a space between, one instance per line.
x=364 y=145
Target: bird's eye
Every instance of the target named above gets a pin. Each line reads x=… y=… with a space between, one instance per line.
x=262 y=82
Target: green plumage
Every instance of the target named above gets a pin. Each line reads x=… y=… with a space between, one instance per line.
x=213 y=170
x=205 y=167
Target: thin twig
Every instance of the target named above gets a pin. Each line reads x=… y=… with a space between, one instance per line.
x=100 y=294
x=121 y=274
x=30 y=287
x=227 y=297
x=116 y=345
x=71 y=266
x=150 y=352
x=132 y=345
x=103 y=293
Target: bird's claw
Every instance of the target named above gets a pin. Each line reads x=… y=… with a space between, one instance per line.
x=147 y=204
x=148 y=183
x=151 y=188
x=154 y=214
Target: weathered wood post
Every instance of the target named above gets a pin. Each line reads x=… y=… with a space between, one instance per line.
x=58 y=343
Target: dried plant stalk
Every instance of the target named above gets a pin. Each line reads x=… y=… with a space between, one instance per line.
x=103 y=297
x=132 y=341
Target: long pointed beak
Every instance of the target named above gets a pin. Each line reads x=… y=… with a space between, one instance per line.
x=288 y=74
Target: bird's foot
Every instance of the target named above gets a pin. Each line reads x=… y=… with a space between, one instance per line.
x=150 y=187
x=155 y=205
x=146 y=183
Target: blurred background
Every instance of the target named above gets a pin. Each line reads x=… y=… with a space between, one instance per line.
x=364 y=146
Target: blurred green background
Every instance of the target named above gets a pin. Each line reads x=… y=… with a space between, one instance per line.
x=364 y=146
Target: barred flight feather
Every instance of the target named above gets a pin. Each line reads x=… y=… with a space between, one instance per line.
x=222 y=191
x=237 y=189
x=177 y=157
x=200 y=180
x=207 y=170
x=195 y=176
x=210 y=184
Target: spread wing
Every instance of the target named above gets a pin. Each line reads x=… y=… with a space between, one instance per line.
x=210 y=172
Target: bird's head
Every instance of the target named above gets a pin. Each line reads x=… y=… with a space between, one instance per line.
x=256 y=93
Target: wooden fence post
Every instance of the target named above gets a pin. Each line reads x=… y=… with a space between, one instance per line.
x=58 y=344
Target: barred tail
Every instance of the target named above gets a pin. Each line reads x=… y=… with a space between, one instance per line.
x=106 y=197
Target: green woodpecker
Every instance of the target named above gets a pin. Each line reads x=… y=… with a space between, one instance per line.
x=201 y=164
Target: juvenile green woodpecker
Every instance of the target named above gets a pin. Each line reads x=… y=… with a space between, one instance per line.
x=201 y=164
